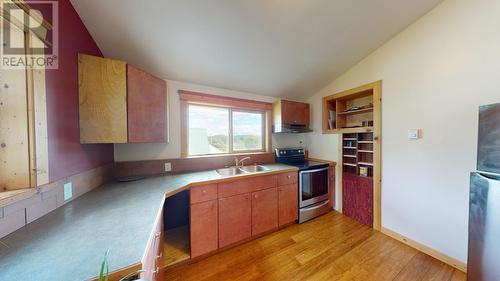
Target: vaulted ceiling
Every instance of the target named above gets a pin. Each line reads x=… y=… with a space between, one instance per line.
x=289 y=48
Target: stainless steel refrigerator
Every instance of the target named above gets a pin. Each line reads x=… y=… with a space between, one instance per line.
x=484 y=214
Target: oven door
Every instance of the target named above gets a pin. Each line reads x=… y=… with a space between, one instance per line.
x=313 y=186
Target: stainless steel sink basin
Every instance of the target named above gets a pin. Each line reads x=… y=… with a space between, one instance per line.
x=233 y=171
x=254 y=169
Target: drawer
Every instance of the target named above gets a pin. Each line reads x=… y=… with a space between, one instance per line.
x=231 y=188
x=287 y=178
x=203 y=193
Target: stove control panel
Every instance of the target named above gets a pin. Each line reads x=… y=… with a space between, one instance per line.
x=289 y=152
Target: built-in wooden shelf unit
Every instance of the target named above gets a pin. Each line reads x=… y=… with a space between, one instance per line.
x=356 y=116
x=351 y=111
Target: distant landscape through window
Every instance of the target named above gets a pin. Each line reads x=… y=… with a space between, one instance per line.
x=219 y=130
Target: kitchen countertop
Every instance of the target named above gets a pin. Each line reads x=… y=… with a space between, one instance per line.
x=69 y=243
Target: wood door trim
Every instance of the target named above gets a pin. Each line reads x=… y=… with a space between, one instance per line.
x=208 y=99
x=376 y=88
x=189 y=97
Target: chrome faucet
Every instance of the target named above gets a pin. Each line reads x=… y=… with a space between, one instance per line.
x=239 y=163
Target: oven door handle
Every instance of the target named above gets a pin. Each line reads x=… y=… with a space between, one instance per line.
x=313 y=171
x=316 y=206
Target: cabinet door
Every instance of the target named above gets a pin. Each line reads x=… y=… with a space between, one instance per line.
x=204 y=232
x=147 y=106
x=154 y=252
x=264 y=210
x=103 y=100
x=288 y=203
x=295 y=113
x=357 y=198
x=235 y=219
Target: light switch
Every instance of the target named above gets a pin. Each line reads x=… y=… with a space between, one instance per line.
x=413 y=134
x=168 y=167
x=68 y=191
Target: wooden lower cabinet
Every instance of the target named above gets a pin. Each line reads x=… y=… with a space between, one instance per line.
x=357 y=198
x=154 y=253
x=229 y=212
x=264 y=210
x=288 y=204
x=235 y=219
x=204 y=228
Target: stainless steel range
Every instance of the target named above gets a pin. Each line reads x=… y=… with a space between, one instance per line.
x=314 y=184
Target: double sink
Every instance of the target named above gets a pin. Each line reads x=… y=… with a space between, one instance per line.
x=241 y=170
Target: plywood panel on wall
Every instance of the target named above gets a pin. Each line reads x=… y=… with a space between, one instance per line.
x=14 y=141
x=103 y=100
x=38 y=123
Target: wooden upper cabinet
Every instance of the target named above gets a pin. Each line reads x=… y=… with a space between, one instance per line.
x=290 y=115
x=294 y=112
x=147 y=99
x=120 y=103
x=103 y=100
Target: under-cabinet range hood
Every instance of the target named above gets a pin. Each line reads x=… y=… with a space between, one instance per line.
x=291 y=129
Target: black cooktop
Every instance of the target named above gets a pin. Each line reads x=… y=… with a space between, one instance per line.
x=309 y=165
x=296 y=157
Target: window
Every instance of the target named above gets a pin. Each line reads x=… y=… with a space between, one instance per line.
x=219 y=130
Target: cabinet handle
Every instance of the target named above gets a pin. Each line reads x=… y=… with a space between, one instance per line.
x=159 y=256
x=156 y=270
x=157 y=234
x=255 y=196
x=289 y=176
x=204 y=191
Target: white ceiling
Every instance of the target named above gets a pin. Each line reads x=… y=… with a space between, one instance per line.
x=289 y=48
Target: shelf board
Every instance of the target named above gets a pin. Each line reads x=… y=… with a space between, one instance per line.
x=365 y=141
x=366 y=151
x=354 y=112
x=350 y=147
x=350 y=139
x=176 y=246
x=351 y=165
x=349 y=130
x=365 y=163
x=351 y=156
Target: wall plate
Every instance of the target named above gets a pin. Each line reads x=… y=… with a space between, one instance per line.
x=168 y=167
x=68 y=190
x=413 y=134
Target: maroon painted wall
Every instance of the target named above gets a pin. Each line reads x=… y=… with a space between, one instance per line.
x=66 y=155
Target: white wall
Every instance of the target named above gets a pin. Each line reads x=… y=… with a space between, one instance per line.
x=435 y=75
x=149 y=151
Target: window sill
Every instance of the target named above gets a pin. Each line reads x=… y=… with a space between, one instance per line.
x=13 y=196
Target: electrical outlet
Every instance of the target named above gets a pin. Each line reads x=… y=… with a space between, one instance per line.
x=68 y=190
x=168 y=167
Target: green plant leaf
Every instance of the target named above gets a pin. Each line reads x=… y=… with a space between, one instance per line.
x=104 y=265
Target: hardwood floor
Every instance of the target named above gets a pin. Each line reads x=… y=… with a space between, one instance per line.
x=331 y=247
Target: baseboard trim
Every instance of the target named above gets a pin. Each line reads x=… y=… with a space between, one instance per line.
x=427 y=250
